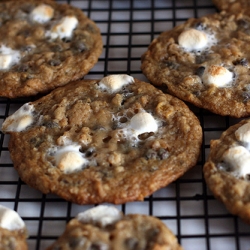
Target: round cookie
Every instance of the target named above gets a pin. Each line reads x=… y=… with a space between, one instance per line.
x=114 y=140
x=44 y=45
x=227 y=169
x=233 y=6
x=204 y=61
x=13 y=232
x=105 y=227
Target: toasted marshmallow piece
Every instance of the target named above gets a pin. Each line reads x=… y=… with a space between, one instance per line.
x=238 y=158
x=42 y=13
x=64 y=28
x=242 y=134
x=69 y=159
x=20 y=120
x=9 y=219
x=193 y=39
x=143 y=122
x=217 y=75
x=102 y=214
x=8 y=57
x=114 y=83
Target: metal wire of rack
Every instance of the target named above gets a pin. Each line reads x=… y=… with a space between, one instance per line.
x=186 y=206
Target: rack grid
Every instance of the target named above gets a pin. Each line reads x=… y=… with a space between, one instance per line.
x=186 y=206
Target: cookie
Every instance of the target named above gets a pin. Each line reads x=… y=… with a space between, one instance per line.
x=204 y=61
x=105 y=227
x=44 y=45
x=233 y=6
x=13 y=232
x=227 y=171
x=114 y=140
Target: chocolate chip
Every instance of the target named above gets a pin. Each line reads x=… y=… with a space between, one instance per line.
x=163 y=153
x=23 y=68
x=25 y=33
x=160 y=154
x=89 y=152
x=200 y=71
x=131 y=243
x=245 y=96
x=151 y=154
x=171 y=65
x=55 y=62
x=152 y=233
x=98 y=246
x=91 y=28
x=26 y=48
x=243 y=23
x=242 y=61
x=50 y=124
x=145 y=136
x=79 y=46
x=76 y=242
x=200 y=26
x=56 y=48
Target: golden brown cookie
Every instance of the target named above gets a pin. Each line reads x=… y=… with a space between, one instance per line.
x=44 y=45
x=114 y=140
x=227 y=171
x=105 y=227
x=204 y=61
x=233 y=6
x=13 y=233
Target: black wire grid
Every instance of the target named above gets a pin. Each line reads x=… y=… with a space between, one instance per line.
x=186 y=206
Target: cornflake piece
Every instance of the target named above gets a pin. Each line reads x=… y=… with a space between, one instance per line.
x=42 y=13
x=143 y=122
x=20 y=120
x=193 y=39
x=114 y=83
x=102 y=214
x=9 y=219
x=238 y=158
x=64 y=28
x=8 y=57
x=217 y=75
x=69 y=159
x=242 y=134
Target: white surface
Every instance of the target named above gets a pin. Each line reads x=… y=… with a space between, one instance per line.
x=200 y=223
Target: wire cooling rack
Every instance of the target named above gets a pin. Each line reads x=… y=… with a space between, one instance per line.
x=185 y=206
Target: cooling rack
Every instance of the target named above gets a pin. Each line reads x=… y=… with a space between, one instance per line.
x=186 y=206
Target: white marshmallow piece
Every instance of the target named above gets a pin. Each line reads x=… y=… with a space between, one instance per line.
x=143 y=122
x=242 y=134
x=193 y=39
x=20 y=120
x=42 y=13
x=102 y=214
x=64 y=29
x=238 y=158
x=10 y=220
x=114 y=83
x=217 y=75
x=69 y=159
x=8 y=57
